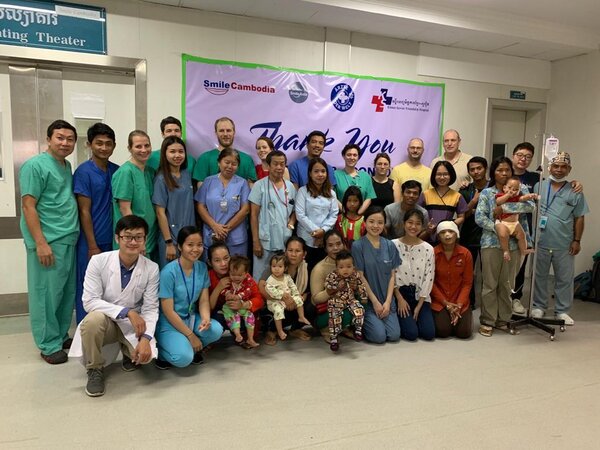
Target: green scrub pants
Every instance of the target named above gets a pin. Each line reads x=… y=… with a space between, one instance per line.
x=51 y=297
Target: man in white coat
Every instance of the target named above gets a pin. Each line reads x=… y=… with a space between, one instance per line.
x=120 y=295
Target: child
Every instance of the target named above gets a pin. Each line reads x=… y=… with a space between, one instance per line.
x=346 y=290
x=278 y=285
x=349 y=223
x=239 y=289
x=508 y=225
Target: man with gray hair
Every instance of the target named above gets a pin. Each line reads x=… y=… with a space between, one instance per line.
x=561 y=223
x=456 y=157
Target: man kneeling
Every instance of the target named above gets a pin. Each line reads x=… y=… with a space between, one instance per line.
x=120 y=295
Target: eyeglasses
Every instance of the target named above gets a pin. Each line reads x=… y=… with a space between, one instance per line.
x=524 y=156
x=129 y=238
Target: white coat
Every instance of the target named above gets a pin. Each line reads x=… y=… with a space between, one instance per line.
x=102 y=292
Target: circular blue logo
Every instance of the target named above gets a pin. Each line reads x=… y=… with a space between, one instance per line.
x=298 y=92
x=342 y=97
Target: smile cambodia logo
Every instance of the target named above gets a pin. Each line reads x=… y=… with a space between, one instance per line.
x=342 y=97
x=380 y=100
x=298 y=92
x=222 y=87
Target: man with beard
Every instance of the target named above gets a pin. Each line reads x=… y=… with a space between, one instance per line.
x=207 y=164
x=412 y=168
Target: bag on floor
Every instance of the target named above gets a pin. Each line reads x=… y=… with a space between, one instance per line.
x=583 y=285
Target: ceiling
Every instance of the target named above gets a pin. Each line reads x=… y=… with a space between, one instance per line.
x=541 y=29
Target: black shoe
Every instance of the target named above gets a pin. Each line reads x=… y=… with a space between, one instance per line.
x=127 y=364
x=58 y=357
x=67 y=344
x=198 y=358
x=162 y=365
x=95 y=385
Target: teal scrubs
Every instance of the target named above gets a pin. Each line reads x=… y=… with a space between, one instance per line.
x=51 y=290
x=362 y=180
x=208 y=165
x=129 y=183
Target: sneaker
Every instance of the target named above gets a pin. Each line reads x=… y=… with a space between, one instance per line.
x=95 y=385
x=127 y=364
x=537 y=313
x=198 y=358
x=334 y=346
x=358 y=336
x=517 y=307
x=67 y=344
x=58 y=357
x=568 y=320
x=162 y=365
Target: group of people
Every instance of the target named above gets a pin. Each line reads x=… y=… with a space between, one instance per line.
x=378 y=258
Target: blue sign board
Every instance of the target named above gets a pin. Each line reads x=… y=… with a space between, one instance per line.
x=53 y=25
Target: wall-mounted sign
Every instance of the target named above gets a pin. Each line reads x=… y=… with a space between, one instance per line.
x=53 y=25
x=518 y=95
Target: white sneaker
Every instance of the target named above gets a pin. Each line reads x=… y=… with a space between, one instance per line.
x=537 y=313
x=566 y=318
x=517 y=307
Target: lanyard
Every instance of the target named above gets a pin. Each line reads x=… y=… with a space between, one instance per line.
x=189 y=296
x=548 y=201
x=277 y=193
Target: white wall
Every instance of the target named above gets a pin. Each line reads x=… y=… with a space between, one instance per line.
x=574 y=117
x=160 y=34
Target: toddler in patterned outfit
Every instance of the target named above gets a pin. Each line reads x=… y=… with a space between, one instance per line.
x=346 y=290
x=280 y=284
x=240 y=288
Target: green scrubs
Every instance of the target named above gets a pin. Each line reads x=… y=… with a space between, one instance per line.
x=51 y=290
x=362 y=180
x=129 y=183
x=208 y=165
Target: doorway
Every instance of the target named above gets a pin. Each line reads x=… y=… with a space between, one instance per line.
x=511 y=122
x=82 y=90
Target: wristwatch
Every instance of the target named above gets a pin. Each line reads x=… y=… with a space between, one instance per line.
x=168 y=241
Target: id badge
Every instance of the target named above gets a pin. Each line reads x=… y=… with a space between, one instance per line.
x=223 y=204
x=543 y=222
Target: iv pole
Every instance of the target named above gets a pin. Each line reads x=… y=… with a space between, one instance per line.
x=542 y=323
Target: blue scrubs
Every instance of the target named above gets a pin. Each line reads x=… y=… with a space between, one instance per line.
x=185 y=291
x=92 y=182
x=276 y=207
x=222 y=204
x=178 y=205
x=377 y=265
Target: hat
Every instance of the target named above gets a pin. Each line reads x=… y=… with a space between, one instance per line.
x=561 y=157
x=448 y=225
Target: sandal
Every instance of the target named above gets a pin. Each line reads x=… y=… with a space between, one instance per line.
x=486 y=330
x=508 y=330
x=270 y=338
x=300 y=334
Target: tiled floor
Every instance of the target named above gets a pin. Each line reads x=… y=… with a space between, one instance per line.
x=500 y=392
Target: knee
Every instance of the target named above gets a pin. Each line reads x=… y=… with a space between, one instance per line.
x=213 y=334
x=181 y=359
x=92 y=322
x=410 y=334
x=442 y=333
x=376 y=335
x=427 y=334
x=464 y=334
